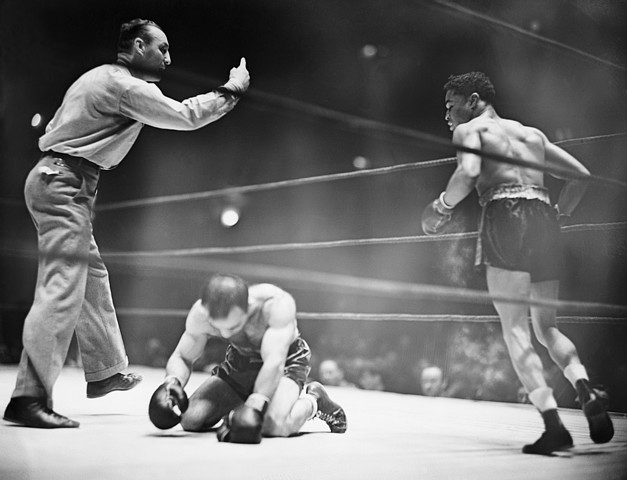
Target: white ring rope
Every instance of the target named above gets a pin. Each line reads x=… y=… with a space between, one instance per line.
x=185 y=197
x=278 y=247
x=358 y=285
x=364 y=286
x=405 y=317
x=383 y=317
x=366 y=317
x=526 y=33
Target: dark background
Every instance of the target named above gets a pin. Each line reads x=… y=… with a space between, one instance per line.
x=557 y=65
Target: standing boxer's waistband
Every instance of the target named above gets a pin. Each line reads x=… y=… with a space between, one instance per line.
x=71 y=159
x=513 y=190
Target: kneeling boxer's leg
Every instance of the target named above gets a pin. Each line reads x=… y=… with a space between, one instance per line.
x=208 y=404
x=286 y=412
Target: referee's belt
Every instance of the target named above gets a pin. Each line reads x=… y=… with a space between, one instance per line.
x=71 y=160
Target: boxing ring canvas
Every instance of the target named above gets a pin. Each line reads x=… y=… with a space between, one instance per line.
x=389 y=436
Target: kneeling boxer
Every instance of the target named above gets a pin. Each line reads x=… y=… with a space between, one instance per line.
x=258 y=389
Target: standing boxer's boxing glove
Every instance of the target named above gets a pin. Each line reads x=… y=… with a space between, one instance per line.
x=436 y=216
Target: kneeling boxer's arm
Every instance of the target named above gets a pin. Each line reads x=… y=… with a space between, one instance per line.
x=164 y=403
x=244 y=423
x=190 y=346
x=274 y=347
x=281 y=332
x=170 y=399
x=188 y=350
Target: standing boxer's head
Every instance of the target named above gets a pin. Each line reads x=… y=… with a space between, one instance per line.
x=466 y=97
x=144 y=48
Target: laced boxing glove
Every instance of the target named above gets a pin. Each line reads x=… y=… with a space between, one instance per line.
x=243 y=424
x=161 y=411
x=436 y=216
x=239 y=79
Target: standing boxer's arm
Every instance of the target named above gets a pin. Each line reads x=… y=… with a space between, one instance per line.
x=464 y=179
x=574 y=189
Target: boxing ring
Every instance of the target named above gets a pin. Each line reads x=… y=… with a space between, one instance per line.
x=390 y=435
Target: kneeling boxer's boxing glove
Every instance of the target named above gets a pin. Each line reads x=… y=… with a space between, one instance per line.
x=243 y=424
x=436 y=216
x=170 y=394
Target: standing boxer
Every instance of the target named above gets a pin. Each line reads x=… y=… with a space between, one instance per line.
x=518 y=244
x=256 y=390
x=97 y=123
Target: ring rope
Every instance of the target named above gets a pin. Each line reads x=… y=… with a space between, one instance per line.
x=464 y=295
x=373 y=286
x=358 y=285
x=363 y=173
x=384 y=317
x=585 y=140
x=273 y=185
x=526 y=33
x=369 y=317
x=406 y=317
x=366 y=286
x=351 y=122
x=277 y=247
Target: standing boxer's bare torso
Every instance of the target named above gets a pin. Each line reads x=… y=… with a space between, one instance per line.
x=511 y=139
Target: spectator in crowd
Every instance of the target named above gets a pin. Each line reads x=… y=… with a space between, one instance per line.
x=156 y=353
x=371 y=379
x=330 y=373
x=432 y=382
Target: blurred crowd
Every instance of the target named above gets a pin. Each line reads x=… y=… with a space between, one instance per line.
x=466 y=362
x=457 y=360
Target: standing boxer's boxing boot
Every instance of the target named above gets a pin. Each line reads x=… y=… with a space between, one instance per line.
x=555 y=437
x=594 y=402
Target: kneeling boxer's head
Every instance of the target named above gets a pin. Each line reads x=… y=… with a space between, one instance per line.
x=226 y=299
